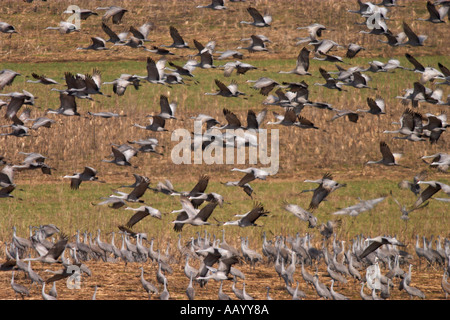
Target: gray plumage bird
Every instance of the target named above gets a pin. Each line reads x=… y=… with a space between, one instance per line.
x=178 y=41
x=165 y=294
x=326 y=186
x=388 y=158
x=405 y=212
x=5 y=27
x=321 y=289
x=264 y=85
x=413 y=185
x=7 y=175
x=43 y=122
x=7 y=77
x=136 y=194
x=301 y=213
x=353 y=49
x=5 y=192
x=435 y=15
x=362 y=206
x=330 y=82
x=240 y=67
x=19 y=288
x=89 y=174
x=18 y=99
x=45 y=295
x=147 y=285
x=222 y=295
x=98 y=43
x=120 y=84
x=54 y=253
x=192 y=216
x=412 y=291
x=122 y=158
x=141 y=213
x=68 y=104
x=445 y=285
x=167 y=109
x=315 y=30
x=433 y=188
x=226 y=91
x=147 y=145
x=33 y=161
x=414 y=40
x=249 y=219
x=65 y=27
x=302 y=65
x=377 y=242
x=42 y=79
x=256 y=45
x=116 y=13
x=112 y=201
x=190 y=291
x=83 y=13
x=142 y=31
x=336 y=295
x=34 y=276
x=259 y=20
x=114 y=37
x=352 y=116
x=377 y=106
x=157 y=124
x=214 y=5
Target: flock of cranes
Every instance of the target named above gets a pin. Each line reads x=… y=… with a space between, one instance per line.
x=284 y=253
x=290 y=257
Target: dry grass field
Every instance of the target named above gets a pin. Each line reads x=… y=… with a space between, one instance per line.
x=340 y=147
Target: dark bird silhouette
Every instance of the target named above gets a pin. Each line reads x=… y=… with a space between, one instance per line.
x=114 y=37
x=326 y=186
x=157 y=124
x=54 y=253
x=418 y=67
x=141 y=213
x=7 y=77
x=5 y=27
x=377 y=242
x=89 y=174
x=98 y=43
x=388 y=158
x=68 y=105
x=249 y=219
x=178 y=41
x=18 y=99
x=193 y=216
x=431 y=190
x=330 y=82
x=353 y=49
x=226 y=91
x=142 y=31
x=116 y=13
x=258 y=19
x=352 y=116
x=122 y=158
x=413 y=186
x=414 y=40
x=41 y=79
x=257 y=45
x=302 y=65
